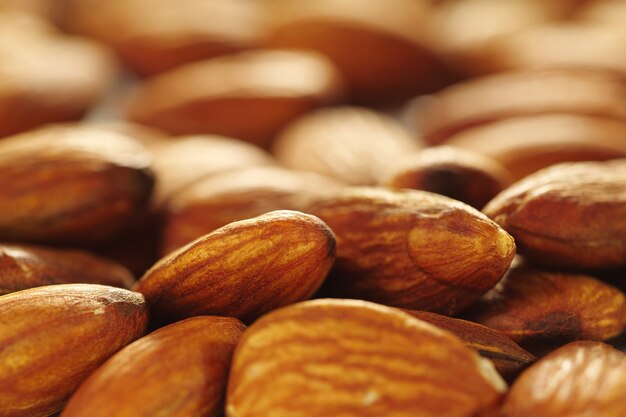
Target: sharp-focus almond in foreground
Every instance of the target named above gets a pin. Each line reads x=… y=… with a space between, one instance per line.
x=533 y=306
x=71 y=185
x=23 y=267
x=412 y=249
x=581 y=379
x=244 y=269
x=508 y=358
x=178 y=371
x=53 y=337
x=354 y=358
x=570 y=215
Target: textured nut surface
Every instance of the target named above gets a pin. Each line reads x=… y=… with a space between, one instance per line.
x=412 y=249
x=353 y=144
x=454 y=172
x=354 y=358
x=155 y=35
x=52 y=338
x=339 y=29
x=239 y=194
x=23 y=267
x=508 y=358
x=71 y=185
x=571 y=215
x=530 y=305
x=581 y=379
x=177 y=371
x=249 y=96
x=244 y=269
x=487 y=99
x=527 y=144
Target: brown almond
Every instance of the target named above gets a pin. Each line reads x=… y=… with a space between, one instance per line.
x=352 y=144
x=213 y=202
x=535 y=307
x=248 y=96
x=497 y=97
x=244 y=269
x=508 y=358
x=454 y=172
x=53 y=337
x=526 y=144
x=354 y=358
x=412 y=249
x=71 y=185
x=570 y=215
x=23 y=267
x=365 y=40
x=581 y=379
x=177 y=371
x=156 y=35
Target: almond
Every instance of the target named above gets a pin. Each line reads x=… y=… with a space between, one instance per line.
x=217 y=200
x=70 y=185
x=541 y=307
x=570 y=215
x=508 y=358
x=248 y=96
x=23 y=267
x=352 y=144
x=244 y=269
x=53 y=337
x=581 y=379
x=177 y=371
x=354 y=358
x=412 y=249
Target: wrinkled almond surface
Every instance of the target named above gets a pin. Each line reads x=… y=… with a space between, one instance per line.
x=571 y=215
x=244 y=269
x=52 y=338
x=581 y=379
x=23 y=267
x=355 y=358
x=412 y=249
x=177 y=371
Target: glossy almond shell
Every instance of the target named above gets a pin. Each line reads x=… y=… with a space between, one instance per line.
x=27 y=266
x=571 y=215
x=352 y=144
x=526 y=144
x=533 y=306
x=354 y=358
x=249 y=96
x=487 y=99
x=71 y=185
x=412 y=249
x=215 y=201
x=53 y=337
x=581 y=379
x=244 y=269
x=508 y=357
x=177 y=371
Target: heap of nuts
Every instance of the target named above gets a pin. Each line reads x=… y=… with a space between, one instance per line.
x=294 y=208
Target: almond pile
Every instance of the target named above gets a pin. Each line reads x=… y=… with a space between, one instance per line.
x=294 y=208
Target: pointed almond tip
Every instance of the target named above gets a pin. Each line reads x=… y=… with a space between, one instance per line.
x=505 y=245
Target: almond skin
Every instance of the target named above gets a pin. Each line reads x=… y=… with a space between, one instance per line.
x=244 y=269
x=412 y=249
x=355 y=358
x=70 y=185
x=539 y=307
x=508 y=358
x=177 y=371
x=581 y=379
x=569 y=215
x=53 y=337
x=23 y=267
